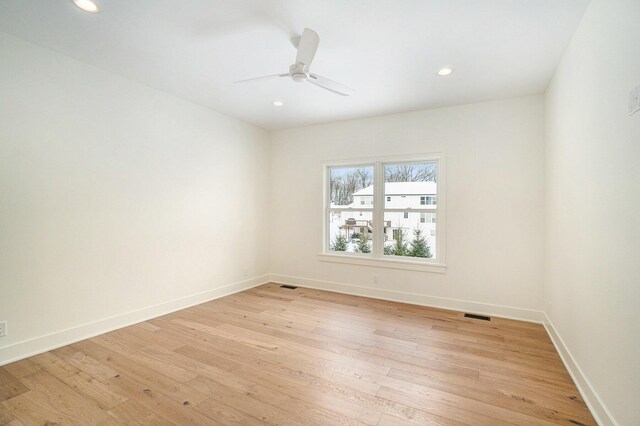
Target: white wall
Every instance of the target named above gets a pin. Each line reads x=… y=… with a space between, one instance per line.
x=592 y=282
x=495 y=178
x=116 y=197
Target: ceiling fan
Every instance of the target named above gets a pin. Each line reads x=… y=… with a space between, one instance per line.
x=299 y=71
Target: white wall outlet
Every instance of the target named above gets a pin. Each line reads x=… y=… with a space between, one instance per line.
x=3 y=328
x=634 y=100
x=375 y=279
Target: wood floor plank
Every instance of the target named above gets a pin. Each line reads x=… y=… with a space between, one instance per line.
x=64 y=399
x=270 y=355
x=312 y=412
x=532 y=403
x=85 y=363
x=120 y=344
x=32 y=408
x=131 y=413
x=244 y=403
x=55 y=365
x=147 y=374
x=156 y=402
x=21 y=368
x=224 y=377
x=6 y=417
x=10 y=386
x=227 y=415
x=459 y=408
x=94 y=389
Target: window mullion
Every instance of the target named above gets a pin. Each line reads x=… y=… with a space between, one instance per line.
x=378 y=209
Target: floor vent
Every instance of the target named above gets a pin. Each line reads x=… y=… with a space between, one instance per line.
x=480 y=317
x=289 y=287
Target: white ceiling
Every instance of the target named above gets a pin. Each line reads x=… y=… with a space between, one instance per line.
x=388 y=51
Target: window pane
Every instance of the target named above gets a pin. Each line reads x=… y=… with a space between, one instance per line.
x=351 y=231
x=351 y=187
x=411 y=185
x=410 y=234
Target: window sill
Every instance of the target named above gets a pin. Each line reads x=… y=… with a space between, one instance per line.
x=411 y=265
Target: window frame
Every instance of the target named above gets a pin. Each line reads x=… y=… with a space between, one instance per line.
x=377 y=258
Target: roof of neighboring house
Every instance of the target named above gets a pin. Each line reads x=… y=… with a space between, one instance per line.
x=403 y=188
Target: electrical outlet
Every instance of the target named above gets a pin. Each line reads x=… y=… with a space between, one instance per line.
x=3 y=328
x=375 y=279
x=634 y=100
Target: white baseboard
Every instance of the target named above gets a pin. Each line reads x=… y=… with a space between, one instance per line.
x=509 y=312
x=589 y=395
x=34 y=346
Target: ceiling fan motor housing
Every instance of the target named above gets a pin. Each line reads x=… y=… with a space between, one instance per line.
x=298 y=72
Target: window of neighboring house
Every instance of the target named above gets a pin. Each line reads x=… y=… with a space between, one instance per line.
x=366 y=200
x=427 y=218
x=414 y=242
x=428 y=200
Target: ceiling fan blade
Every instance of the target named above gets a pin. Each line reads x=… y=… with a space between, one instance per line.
x=307 y=47
x=330 y=85
x=266 y=77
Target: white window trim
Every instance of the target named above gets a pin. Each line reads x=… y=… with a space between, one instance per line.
x=377 y=258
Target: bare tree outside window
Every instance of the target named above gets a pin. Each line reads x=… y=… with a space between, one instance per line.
x=411 y=172
x=345 y=181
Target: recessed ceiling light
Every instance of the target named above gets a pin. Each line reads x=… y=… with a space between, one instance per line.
x=445 y=71
x=87 y=5
x=278 y=103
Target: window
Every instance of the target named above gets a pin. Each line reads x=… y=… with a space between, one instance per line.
x=427 y=218
x=365 y=200
x=428 y=200
x=400 y=231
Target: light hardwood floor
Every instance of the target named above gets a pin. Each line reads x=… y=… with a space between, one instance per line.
x=299 y=357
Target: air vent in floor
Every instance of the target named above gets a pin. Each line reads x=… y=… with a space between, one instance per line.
x=289 y=287
x=480 y=317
